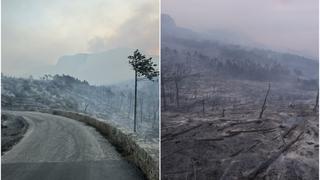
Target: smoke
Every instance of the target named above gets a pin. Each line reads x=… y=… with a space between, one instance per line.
x=36 y=33
x=290 y=25
x=140 y=31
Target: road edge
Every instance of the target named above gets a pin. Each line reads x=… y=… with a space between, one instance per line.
x=129 y=143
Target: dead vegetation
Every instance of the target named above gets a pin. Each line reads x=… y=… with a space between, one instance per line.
x=234 y=140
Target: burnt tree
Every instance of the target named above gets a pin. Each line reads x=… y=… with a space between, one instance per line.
x=317 y=102
x=180 y=72
x=264 y=102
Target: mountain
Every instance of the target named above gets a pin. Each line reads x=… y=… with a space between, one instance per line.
x=225 y=47
x=102 y=68
x=170 y=29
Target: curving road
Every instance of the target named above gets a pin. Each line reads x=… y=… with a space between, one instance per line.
x=58 y=148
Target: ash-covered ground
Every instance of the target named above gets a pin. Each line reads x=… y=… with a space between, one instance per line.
x=225 y=139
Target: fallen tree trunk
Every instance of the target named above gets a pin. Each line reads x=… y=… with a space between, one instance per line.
x=253 y=146
x=211 y=139
x=249 y=131
x=263 y=166
x=171 y=136
x=246 y=122
x=289 y=130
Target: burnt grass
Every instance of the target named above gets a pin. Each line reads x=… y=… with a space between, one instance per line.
x=12 y=130
x=199 y=143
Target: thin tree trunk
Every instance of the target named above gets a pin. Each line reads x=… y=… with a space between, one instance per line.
x=163 y=96
x=120 y=106
x=141 y=109
x=223 y=110
x=264 y=102
x=135 y=104
x=130 y=105
x=85 y=109
x=203 y=104
x=317 y=102
x=177 y=94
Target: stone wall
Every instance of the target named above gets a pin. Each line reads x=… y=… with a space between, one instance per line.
x=144 y=155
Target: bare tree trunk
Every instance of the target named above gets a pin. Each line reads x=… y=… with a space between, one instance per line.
x=264 y=102
x=203 y=104
x=317 y=102
x=141 y=109
x=155 y=110
x=130 y=105
x=120 y=105
x=85 y=109
x=163 y=96
x=135 y=104
x=154 y=119
x=177 y=94
x=223 y=110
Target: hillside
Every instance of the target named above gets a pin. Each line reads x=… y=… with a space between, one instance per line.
x=208 y=53
x=114 y=103
x=231 y=111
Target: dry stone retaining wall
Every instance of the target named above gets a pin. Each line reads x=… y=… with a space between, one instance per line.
x=144 y=155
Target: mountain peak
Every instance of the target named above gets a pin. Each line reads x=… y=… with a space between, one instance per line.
x=167 y=20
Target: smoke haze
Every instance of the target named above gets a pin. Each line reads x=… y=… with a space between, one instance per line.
x=285 y=25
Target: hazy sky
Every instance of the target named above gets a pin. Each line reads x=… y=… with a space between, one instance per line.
x=36 y=33
x=281 y=24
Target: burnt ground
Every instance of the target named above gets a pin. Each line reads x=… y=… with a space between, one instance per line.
x=282 y=145
x=12 y=130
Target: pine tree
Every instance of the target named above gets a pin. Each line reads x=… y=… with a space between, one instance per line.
x=143 y=67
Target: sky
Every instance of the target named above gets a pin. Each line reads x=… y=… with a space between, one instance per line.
x=35 y=33
x=286 y=25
